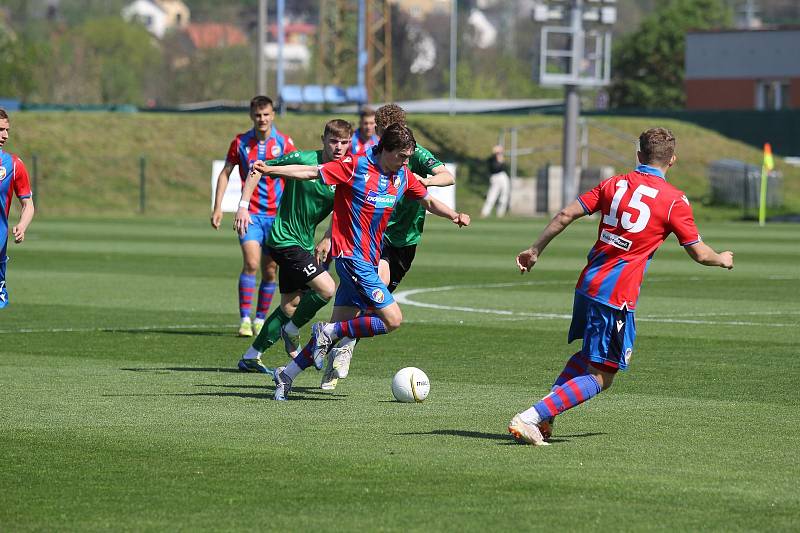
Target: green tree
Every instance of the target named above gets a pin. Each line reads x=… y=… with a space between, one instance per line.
x=16 y=76
x=123 y=55
x=648 y=64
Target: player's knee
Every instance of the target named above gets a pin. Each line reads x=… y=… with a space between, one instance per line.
x=250 y=268
x=327 y=292
x=393 y=321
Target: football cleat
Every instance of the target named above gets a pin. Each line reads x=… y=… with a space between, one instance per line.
x=526 y=433
x=320 y=344
x=341 y=360
x=253 y=365
x=328 y=380
x=246 y=328
x=290 y=342
x=258 y=323
x=546 y=428
x=283 y=385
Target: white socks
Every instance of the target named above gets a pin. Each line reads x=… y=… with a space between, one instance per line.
x=251 y=353
x=291 y=329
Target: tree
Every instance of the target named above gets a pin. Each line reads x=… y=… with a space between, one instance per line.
x=648 y=64
x=16 y=78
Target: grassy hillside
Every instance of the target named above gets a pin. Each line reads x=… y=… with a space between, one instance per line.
x=89 y=162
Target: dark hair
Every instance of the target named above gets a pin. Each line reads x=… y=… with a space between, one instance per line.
x=366 y=112
x=3 y=113
x=259 y=102
x=397 y=137
x=339 y=128
x=389 y=114
x=657 y=146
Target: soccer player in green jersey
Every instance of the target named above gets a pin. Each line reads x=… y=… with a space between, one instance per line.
x=401 y=238
x=291 y=243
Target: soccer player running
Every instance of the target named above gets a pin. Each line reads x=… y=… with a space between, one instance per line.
x=639 y=210
x=402 y=236
x=364 y=137
x=13 y=180
x=262 y=143
x=367 y=189
x=291 y=243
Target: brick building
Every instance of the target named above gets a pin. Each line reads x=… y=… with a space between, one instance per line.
x=743 y=69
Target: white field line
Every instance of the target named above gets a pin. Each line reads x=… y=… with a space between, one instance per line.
x=404 y=297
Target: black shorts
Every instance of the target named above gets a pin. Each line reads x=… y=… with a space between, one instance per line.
x=399 y=260
x=297 y=268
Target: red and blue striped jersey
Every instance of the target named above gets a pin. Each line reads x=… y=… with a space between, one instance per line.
x=364 y=200
x=359 y=146
x=639 y=210
x=245 y=150
x=13 y=180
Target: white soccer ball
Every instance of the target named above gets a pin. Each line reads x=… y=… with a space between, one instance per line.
x=410 y=384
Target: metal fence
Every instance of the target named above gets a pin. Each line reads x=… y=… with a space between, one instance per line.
x=737 y=183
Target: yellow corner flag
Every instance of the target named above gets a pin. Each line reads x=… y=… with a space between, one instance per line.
x=769 y=164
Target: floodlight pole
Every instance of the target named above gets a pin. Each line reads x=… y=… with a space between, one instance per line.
x=279 y=75
x=363 y=55
x=572 y=109
x=262 y=43
x=453 y=54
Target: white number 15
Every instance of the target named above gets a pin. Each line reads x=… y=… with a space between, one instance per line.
x=635 y=203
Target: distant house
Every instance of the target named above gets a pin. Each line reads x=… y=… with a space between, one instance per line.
x=743 y=69
x=207 y=35
x=298 y=37
x=158 y=16
x=294 y=32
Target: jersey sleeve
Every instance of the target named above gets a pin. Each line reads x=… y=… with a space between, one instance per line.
x=288 y=145
x=293 y=158
x=22 y=183
x=233 y=152
x=423 y=162
x=336 y=172
x=590 y=200
x=416 y=190
x=681 y=222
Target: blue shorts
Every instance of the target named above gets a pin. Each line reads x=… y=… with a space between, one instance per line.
x=360 y=286
x=3 y=291
x=258 y=230
x=608 y=333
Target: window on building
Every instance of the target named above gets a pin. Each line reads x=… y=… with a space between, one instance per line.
x=772 y=94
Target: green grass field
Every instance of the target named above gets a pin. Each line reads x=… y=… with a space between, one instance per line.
x=120 y=408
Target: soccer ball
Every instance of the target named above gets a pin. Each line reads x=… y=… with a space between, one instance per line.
x=410 y=384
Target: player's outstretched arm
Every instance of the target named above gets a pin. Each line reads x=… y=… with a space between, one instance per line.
x=25 y=217
x=222 y=184
x=527 y=258
x=441 y=178
x=440 y=209
x=705 y=255
x=294 y=172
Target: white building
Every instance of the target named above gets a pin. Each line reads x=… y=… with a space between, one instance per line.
x=158 y=16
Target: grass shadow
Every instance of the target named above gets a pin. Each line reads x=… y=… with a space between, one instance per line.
x=266 y=395
x=505 y=438
x=183 y=369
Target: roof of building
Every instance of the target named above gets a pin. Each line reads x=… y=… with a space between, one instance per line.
x=205 y=35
